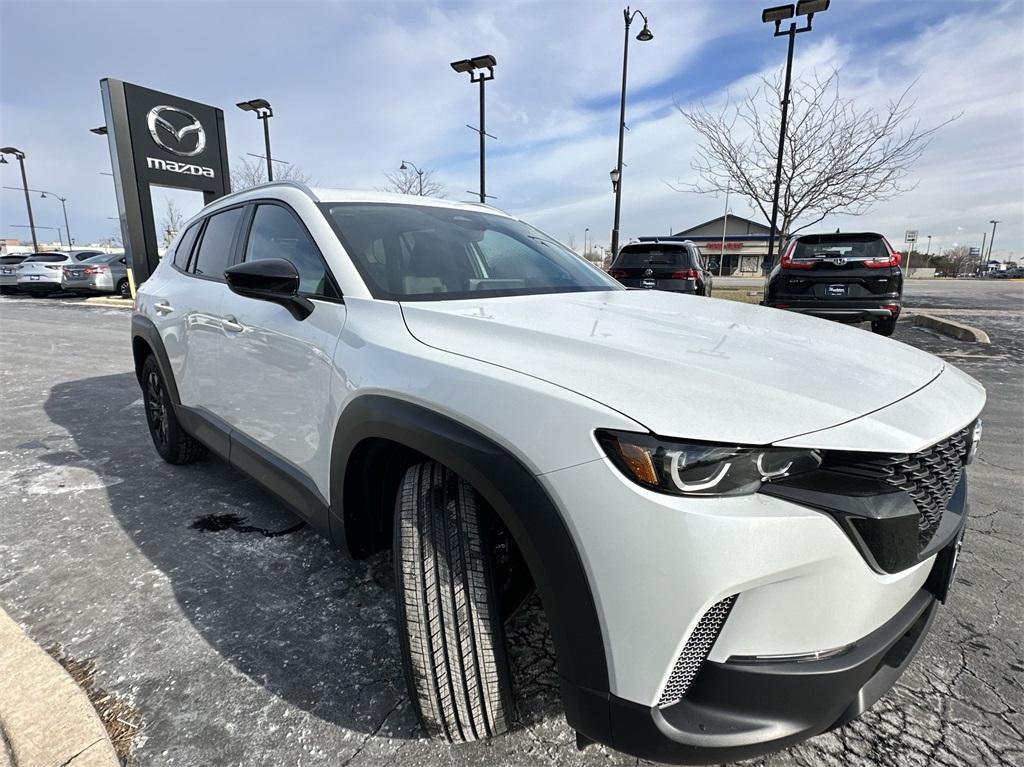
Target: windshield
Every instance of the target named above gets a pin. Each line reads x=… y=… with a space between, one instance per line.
x=426 y=253
x=646 y=255
x=47 y=258
x=102 y=258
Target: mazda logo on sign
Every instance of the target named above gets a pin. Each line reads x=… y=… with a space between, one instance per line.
x=176 y=140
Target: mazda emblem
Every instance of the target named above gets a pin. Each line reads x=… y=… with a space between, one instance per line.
x=172 y=139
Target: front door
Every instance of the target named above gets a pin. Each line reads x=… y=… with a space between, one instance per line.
x=276 y=370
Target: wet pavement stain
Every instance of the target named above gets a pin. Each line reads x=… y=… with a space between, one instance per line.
x=215 y=523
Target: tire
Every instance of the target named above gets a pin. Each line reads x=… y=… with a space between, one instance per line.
x=170 y=440
x=453 y=640
x=884 y=327
x=124 y=290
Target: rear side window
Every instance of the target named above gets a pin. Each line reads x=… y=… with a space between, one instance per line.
x=184 y=249
x=214 y=255
x=277 y=233
x=653 y=256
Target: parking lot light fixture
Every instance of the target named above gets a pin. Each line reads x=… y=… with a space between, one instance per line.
x=406 y=166
x=64 y=207
x=99 y=131
x=480 y=69
x=643 y=36
x=263 y=112
x=777 y=15
x=20 y=157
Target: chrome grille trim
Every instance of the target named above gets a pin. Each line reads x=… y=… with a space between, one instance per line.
x=695 y=652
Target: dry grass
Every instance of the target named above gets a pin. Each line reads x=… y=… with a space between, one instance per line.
x=738 y=294
x=120 y=718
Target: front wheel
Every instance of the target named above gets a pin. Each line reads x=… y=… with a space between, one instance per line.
x=453 y=640
x=884 y=327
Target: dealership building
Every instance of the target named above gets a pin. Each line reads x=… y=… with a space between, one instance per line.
x=741 y=250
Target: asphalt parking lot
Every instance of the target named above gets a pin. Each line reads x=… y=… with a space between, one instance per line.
x=242 y=638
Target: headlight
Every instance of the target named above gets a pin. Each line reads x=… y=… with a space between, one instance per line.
x=690 y=468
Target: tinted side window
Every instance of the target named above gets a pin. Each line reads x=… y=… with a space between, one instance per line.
x=276 y=233
x=214 y=254
x=181 y=255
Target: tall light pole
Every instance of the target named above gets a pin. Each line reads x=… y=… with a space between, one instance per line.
x=992 y=239
x=928 y=250
x=586 y=232
x=263 y=112
x=20 y=156
x=64 y=206
x=476 y=67
x=643 y=36
x=406 y=165
x=777 y=15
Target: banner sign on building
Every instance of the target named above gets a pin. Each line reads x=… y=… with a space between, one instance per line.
x=162 y=140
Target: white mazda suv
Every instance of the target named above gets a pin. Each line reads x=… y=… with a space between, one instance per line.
x=740 y=521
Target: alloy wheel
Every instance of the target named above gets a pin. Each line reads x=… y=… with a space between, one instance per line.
x=155 y=408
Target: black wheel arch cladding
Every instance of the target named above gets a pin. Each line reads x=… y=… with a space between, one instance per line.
x=515 y=495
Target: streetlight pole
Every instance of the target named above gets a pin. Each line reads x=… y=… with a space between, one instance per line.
x=992 y=239
x=263 y=112
x=778 y=14
x=405 y=166
x=476 y=67
x=24 y=185
x=63 y=204
x=644 y=35
x=586 y=232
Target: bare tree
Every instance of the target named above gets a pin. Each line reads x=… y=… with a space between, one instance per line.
x=838 y=158
x=171 y=222
x=408 y=182
x=957 y=260
x=249 y=172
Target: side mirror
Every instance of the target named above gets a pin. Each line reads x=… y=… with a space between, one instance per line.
x=270 y=279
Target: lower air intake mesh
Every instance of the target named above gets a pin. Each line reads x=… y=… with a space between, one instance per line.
x=695 y=652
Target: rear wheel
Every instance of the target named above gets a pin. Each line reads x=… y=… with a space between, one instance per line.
x=884 y=327
x=124 y=289
x=453 y=640
x=170 y=440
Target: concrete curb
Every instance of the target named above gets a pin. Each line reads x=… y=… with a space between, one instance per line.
x=46 y=719
x=950 y=328
x=120 y=303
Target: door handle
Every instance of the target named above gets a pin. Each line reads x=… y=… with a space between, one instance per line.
x=162 y=307
x=229 y=322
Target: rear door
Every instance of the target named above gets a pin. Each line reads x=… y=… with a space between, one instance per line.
x=275 y=370
x=839 y=268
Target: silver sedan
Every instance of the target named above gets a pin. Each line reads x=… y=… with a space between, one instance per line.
x=106 y=273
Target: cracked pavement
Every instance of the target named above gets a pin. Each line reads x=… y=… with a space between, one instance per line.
x=244 y=639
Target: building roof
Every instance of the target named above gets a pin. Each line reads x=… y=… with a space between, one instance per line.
x=754 y=228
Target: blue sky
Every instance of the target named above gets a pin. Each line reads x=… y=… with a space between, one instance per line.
x=357 y=87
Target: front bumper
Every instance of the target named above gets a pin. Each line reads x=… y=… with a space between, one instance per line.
x=741 y=710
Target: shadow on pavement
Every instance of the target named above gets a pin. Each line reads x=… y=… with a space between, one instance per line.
x=276 y=601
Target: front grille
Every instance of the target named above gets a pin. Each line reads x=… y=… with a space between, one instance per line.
x=695 y=652
x=929 y=477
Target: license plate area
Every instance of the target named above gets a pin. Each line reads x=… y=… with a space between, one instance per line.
x=836 y=291
x=944 y=571
x=648 y=282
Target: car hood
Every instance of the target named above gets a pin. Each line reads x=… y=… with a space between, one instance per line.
x=684 y=366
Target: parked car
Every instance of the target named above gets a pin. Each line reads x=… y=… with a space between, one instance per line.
x=40 y=274
x=9 y=271
x=723 y=574
x=105 y=273
x=674 y=266
x=850 y=277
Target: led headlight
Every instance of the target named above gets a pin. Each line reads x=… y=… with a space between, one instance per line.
x=691 y=468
